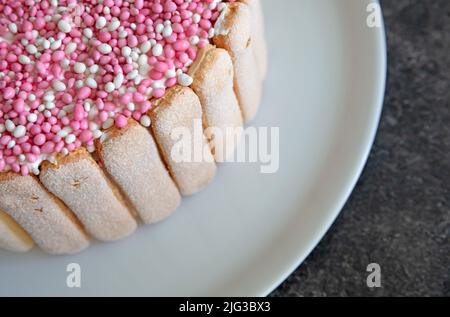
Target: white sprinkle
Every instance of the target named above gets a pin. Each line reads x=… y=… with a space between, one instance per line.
x=2 y=128
x=93 y=126
x=65 y=63
x=79 y=68
x=185 y=80
x=11 y=144
x=79 y=83
x=171 y=73
x=194 y=40
x=56 y=45
x=70 y=48
x=126 y=51
x=123 y=34
x=10 y=126
x=90 y=82
x=131 y=106
x=109 y=87
x=12 y=28
x=158 y=84
x=32 y=117
x=49 y=96
x=134 y=56
x=211 y=33
x=196 y=18
x=19 y=131
x=23 y=59
x=31 y=97
x=64 y=26
x=145 y=121
x=70 y=139
x=145 y=47
x=118 y=81
x=31 y=49
x=58 y=86
x=65 y=151
x=97 y=134
x=131 y=75
x=88 y=33
x=104 y=48
x=167 y=31
x=50 y=105
x=87 y=106
x=100 y=23
x=159 y=28
x=46 y=44
x=143 y=60
x=63 y=133
x=157 y=50
x=94 y=69
x=114 y=25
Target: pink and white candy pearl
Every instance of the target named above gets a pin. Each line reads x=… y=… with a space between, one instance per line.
x=70 y=69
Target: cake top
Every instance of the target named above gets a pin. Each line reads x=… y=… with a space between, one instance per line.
x=71 y=69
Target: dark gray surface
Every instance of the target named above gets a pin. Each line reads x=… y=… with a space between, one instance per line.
x=399 y=213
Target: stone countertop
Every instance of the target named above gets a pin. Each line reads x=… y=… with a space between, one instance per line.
x=399 y=213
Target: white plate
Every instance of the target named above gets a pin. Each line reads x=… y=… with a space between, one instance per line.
x=247 y=232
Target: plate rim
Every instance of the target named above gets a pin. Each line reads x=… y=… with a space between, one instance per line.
x=380 y=88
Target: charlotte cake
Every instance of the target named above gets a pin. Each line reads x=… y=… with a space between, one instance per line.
x=91 y=94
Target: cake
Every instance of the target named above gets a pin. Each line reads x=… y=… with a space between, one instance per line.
x=92 y=93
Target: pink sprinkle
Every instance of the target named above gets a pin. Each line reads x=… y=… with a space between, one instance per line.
x=58 y=56
x=85 y=136
x=8 y=93
x=84 y=92
x=39 y=139
x=121 y=121
x=44 y=94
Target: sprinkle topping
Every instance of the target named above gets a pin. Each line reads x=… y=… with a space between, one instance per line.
x=71 y=69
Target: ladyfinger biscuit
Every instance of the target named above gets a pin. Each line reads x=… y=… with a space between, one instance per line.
x=178 y=130
x=49 y=223
x=12 y=236
x=130 y=156
x=80 y=183
x=234 y=33
x=260 y=46
x=213 y=83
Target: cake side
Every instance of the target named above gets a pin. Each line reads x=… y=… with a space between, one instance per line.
x=79 y=182
x=236 y=36
x=139 y=171
x=12 y=236
x=176 y=116
x=213 y=83
x=46 y=219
